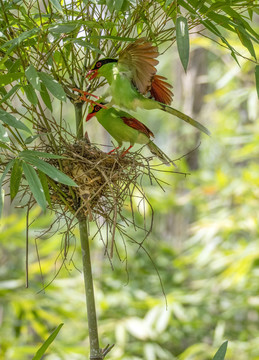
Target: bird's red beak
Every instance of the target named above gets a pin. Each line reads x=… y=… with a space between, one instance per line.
x=89 y=116
x=92 y=74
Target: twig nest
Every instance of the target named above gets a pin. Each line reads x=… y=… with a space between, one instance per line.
x=103 y=180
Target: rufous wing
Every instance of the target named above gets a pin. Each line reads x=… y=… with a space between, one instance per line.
x=136 y=124
x=140 y=58
x=161 y=90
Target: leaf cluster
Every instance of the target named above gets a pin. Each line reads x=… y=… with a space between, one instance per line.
x=47 y=48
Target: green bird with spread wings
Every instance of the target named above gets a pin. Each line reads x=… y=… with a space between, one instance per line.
x=133 y=82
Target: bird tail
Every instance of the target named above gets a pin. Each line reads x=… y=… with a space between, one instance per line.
x=160 y=154
x=152 y=104
x=184 y=117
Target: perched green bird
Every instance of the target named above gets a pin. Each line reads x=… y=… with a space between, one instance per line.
x=134 y=83
x=124 y=128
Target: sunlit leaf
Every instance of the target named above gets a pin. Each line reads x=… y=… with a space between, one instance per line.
x=242 y=21
x=111 y=4
x=118 y=5
x=53 y=86
x=113 y=37
x=50 y=170
x=6 y=170
x=6 y=79
x=63 y=28
x=23 y=36
x=31 y=94
x=37 y=154
x=45 y=97
x=10 y=93
x=3 y=134
x=210 y=26
x=47 y=343
x=34 y=184
x=30 y=139
x=86 y=44
x=12 y=121
x=245 y=40
x=12 y=65
x=44 y=183
x=57 y=5
x=220 y=354
x=4 y=146
x=15 y=179
x=33 y=77
x=182 y=39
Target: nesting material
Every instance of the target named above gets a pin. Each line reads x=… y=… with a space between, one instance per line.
x=103 y=180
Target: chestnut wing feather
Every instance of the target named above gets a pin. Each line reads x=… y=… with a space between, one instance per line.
x=161 y=90
x=136 y=124
x=140 y=58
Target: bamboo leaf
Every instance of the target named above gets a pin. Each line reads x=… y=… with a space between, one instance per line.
x=33 y=77
x=257 y=79
x=53 y=86
x=118 y=4
x=6 y=79
x=4 y=146
x=13 y=65
x=210 y=26
x=245 y=40
x=63 y=28
x=10 y=93
x=3 y=134
x=235 y=15
x=45 y=97
x=31 y=94
x=219 y=19
x=220 y=354
x=8 y=167
x=44 y=183
x=47 y=343
x=85 y=44
x=57 y=5
x=110 y=5
x=15 y=179
x=12 y=121
x=50 y=170
x=23 y=36
x=35 y=185
x=37 y=154
x=113 y=37
x=30 y=139
x=182 y=39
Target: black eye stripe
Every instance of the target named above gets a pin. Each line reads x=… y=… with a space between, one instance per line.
x=102 y=62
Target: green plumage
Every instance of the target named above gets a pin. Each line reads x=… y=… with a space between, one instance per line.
x=124 y=128
x=125 y=95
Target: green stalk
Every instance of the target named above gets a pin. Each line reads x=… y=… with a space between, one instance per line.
x=95 y=351
x=79 y=120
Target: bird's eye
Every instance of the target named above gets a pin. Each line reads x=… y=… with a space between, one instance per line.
x=97 y=108
x=99 y=64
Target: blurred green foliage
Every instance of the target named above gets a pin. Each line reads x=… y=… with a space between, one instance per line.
x=204 y=244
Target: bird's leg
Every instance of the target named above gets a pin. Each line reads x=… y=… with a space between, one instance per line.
x=125 y=152
x=84 y=98
x=110 y=152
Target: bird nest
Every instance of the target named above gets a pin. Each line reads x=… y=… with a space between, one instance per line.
x=109 y=186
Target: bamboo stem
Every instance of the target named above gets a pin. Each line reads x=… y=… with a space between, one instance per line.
x=79 y=120
x=95 y=351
